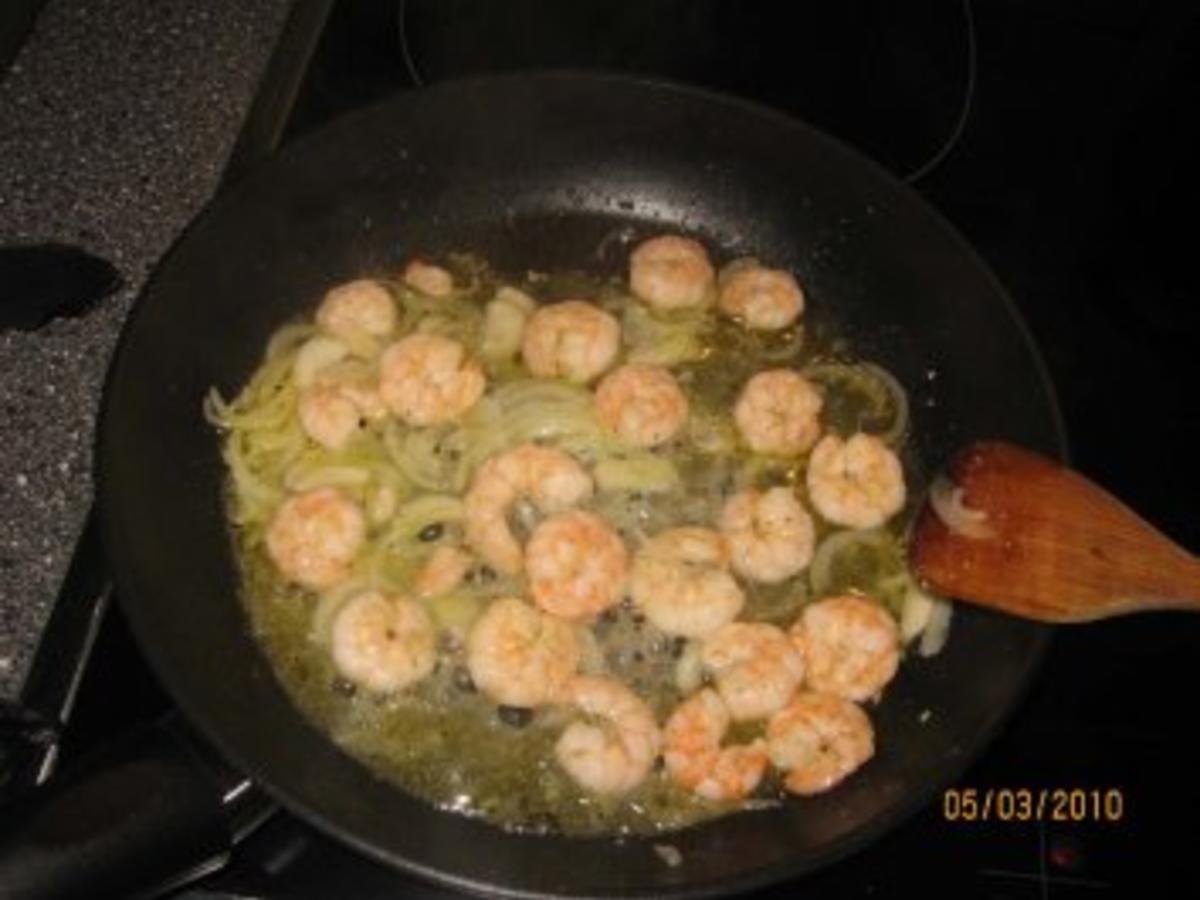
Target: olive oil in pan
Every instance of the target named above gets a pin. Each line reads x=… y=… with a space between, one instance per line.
x=442 y=739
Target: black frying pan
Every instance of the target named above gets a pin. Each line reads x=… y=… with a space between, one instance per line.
x=537 y=171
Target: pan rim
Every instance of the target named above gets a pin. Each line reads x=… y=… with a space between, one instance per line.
x=285 y=795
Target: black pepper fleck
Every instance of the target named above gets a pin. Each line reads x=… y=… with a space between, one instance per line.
x=462 y=680
x=515 y=716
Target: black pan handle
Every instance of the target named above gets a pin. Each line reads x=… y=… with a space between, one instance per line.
x=147 y=813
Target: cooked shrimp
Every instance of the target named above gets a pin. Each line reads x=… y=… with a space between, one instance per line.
x=520 y=656
x=762 y=299
x=365 y=397
x=315 y=536
x=770 y=534
x=671 y=272
x=426 y=378
x=850 y=645
x=550 y=478
x=445 y=569
x=383 y=643
x=857 y=482
x=695 y=758
x=332 y=411
x=680 y=579
x=573 y=340
x=428 y=279
x=612 y=753
x=755 y=666
x=576 y=564
x=328 y=416
x=778 y=412
x=362 y=307
x=819 y=739
x=642 y=405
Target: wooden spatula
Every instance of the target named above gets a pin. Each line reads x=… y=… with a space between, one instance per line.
x=1015 y=531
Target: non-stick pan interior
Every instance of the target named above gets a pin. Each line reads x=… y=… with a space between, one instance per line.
x=551 y=172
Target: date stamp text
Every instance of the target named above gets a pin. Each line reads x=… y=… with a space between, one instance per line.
x=1001 y=804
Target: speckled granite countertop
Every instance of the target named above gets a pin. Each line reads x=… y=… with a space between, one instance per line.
x=115 y=123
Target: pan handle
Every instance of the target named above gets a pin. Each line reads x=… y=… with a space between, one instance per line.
x=138 y=817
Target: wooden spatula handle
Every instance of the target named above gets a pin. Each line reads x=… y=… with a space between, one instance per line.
x=1143 y=566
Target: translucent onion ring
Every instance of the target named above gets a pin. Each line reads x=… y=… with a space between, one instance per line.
x=946 y=498
x=886 y=381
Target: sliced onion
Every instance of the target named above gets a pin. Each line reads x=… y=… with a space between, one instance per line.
x=663 y=341
x=457 y=611
x=946 y=498
x=415 y=454
x=915 y=613
x=899 y=399
x=303 y=478
x=503 y=327
x=885 y=382
x=317 y=353
x=689 y=670
x=287 y=339
x=820 y=571
x=644 y=473
x=329 y=605
x=215 y=408
x=937 y=630
x=428 y=509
